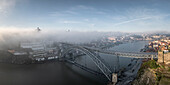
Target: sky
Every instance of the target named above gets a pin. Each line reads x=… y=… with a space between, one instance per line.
x=86 y=15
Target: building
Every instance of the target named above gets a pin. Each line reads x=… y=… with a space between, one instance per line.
x=15 y=53
x=163 y=57
x=38 y=48
x=41 y=50
x=156 y=36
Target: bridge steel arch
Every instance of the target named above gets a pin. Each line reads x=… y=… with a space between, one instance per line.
x=96 y=59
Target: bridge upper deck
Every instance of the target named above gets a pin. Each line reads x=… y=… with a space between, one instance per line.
x=125 y=54
x=121 y=54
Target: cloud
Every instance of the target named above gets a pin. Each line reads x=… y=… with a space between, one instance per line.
x=139 y=14
x=12 y=36
x=86 y=20
x=6 y=6
x=138 y=19
x=100 y=12
x=12 y=29
x=70 y=22
x=71 y=12
x=78 y=10
x=96 y=18
x=92 y=25
x=63 y=13
x=142 y=19
x=82 y=7
x=88 y=9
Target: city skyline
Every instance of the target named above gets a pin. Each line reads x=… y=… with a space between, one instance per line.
x=86 y=15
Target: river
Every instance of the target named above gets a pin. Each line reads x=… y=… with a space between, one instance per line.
x=58 y=73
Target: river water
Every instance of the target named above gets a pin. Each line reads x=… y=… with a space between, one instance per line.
x=58 y=73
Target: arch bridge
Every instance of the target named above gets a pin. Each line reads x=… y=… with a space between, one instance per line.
x=99 y=62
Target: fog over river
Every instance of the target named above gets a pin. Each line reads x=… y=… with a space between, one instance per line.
x=58 y=73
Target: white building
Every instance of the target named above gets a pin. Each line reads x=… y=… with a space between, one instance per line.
x=33 y=46
x=39 y=48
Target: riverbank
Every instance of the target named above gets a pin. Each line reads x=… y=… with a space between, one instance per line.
x=6 y=57
x=129 y=74
x=152 y=73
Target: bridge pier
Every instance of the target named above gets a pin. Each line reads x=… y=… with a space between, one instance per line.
x=114 y=79
x=117 y=64
x=152 y=58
